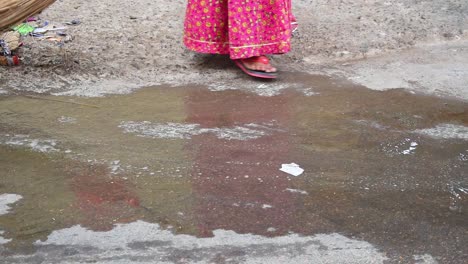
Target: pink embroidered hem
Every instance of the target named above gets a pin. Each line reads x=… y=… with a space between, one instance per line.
x=239 y=28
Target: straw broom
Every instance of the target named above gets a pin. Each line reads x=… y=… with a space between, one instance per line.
x=13 y=12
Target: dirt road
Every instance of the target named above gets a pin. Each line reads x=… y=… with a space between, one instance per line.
x=122 y=45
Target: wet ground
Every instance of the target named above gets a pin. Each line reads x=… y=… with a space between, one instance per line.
x=385 y=168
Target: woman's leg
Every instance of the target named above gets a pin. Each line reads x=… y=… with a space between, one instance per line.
x=258 y=28
x=245 y=31
x=206 y=26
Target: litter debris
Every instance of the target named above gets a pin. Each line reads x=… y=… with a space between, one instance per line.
x=24 y=29
x=51 y=33
x=296 y=191
x=12 y=40
x=48 y=28
x=73 y=22
x=9 y=60
x=9 y=42
x=36 y=28
x=293 y=169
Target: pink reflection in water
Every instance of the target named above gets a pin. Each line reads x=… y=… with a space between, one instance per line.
x=102 y=201
x=237 y=183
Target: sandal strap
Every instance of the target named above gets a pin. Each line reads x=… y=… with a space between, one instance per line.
x=260 y=59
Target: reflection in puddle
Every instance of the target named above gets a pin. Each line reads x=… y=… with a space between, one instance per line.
x=187 y=131
x=459 y=197
x=101 y=200
x=404 y=147
x=41 y=145
x=194 y=161
x=446 y=131
x=222 y=184
x=65 y=119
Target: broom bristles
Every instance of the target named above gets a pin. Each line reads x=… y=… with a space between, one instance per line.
x=13 y=12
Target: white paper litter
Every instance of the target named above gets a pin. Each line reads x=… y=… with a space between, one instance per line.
x=293 y=169
x=297 y=191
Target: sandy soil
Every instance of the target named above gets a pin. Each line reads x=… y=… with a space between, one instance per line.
x=123 y=45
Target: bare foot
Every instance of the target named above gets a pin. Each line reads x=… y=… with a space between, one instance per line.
x=256 y=65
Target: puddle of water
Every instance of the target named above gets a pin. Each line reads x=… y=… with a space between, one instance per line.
x=446 y=131
x=187 y=131
x=45 y=145
x=195 y=161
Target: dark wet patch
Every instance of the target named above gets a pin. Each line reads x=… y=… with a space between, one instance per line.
x=362 y=178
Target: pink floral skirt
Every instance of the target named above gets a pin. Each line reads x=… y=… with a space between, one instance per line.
x=240 y=28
